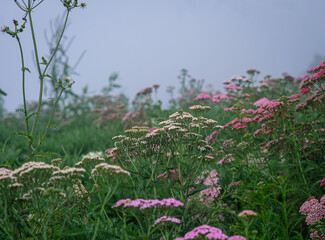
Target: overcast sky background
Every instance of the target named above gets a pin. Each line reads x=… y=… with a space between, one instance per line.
x=149 y=41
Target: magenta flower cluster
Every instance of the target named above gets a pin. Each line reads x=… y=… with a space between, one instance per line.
x=313 y=209
x=323 y=182
x=149 y=203
x=173 y=174
x=247 y=213
x=262 y=102
x=202 y=96
x=232 y=86
x=316 y=235
x=208 y=232
x=166 y=219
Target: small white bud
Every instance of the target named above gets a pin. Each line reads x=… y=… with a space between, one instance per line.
x=4 y=28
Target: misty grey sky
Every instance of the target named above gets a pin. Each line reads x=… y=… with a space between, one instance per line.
x=148 y=42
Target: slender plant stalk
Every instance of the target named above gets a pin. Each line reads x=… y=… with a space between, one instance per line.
x=41 y=77
x=59 y=41
x=23 y=69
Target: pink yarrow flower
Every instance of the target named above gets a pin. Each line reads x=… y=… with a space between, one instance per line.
x=148 y=203
x=121 y=202
x=262 y=102
x=238 y=126
x=252 y=71
x=247 y=213
x=232 y=86
x=313 y=209
x=205 y=231
x=323 y=182
x=227 y=109
x=320 y=66
x=202 y=96
x=165 y=219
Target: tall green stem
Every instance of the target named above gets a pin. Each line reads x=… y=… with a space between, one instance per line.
x=41 y=77
x=23 y=69
x=42 y=74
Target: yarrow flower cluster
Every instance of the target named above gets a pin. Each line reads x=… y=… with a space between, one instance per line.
x=261 y=102
x=105 y=170
x=165 y=219
x=202 y=96
x=66 y=176
x=323 y=182
x=313 y=209
x=149 y=203
x=232 y=86
x=209 y=179
x=90 y=160
x=199 y=108
x=34 y=172
x=208 y=232
x=247 y=214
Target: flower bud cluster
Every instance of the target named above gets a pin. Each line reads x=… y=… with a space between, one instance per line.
x=147 y=204
x=66 y=176
x=106 y=171
x=90 y=161
x=70 y=4
x=165 y=219
x=34 y=172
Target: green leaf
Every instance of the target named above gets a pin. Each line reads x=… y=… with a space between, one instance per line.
x=3 y=92
x=26 y=69
x=52 y=126
x=30 y=115
x=49 y=76
x=20 y=110
x=24 y=134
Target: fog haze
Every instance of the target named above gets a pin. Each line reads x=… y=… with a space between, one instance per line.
x=149 y=42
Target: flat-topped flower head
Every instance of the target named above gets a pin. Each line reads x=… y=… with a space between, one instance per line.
x=202 y=96
x=204 y=231
x=232 y=86
x=143 y=204
x=104 y=170
x=313 y=209
x=56 y=162
x=253 y=71
x=199 y=108
x=165 y=219
x=121 y=202
x=66 y=176
x=5 y=171
x=119 y=138
x=247 y=214
x=319 y=67
x=261 y=102
x=136 y=131
x=34 y=172
x=90 y=161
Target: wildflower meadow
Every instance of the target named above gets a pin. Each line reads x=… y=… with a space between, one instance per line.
x=242 y=162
